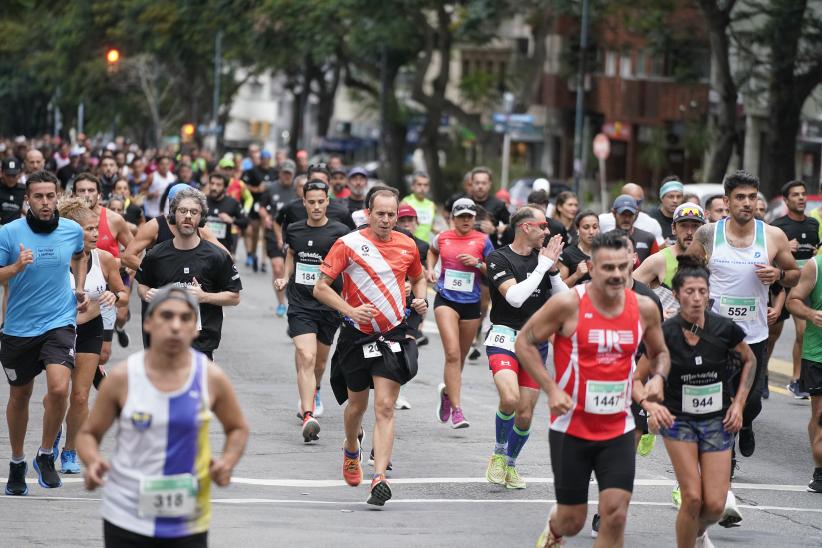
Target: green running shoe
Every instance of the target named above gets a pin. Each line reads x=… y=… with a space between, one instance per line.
x=512 y=479
x=676 y=496
x=496 y=469
x=646 y=445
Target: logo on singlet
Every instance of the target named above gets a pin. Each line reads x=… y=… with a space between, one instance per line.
x=141 y=420
x=609 y=341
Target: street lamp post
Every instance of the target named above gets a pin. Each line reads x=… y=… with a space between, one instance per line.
x=583 y=46
x=508 y=107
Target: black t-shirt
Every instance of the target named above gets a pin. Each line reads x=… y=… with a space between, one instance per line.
x=107 y=184
x=310 y=245
x=276 y=196
x=220 y=228
x=641 y=289
x=699 y=367
x=295 y=211
x=571 y=257
x=11 y=202
x=496 y=209
x=505 y=264
x=214 y=269
x=133 y=214
x=66 y=175
x=666 y=223
x=805 y=232
x=257 y=176
x=352 y=204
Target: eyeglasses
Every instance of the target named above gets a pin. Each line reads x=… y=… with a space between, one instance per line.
x=461 y=210
x=315 y=185
x=185 y=211
x=542 y=226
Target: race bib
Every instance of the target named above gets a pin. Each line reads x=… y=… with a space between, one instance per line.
x=371 y=350
x=307 y=274
x=699 y=400
x=167 y=496
x=457 y=280
x=501 y=337
x=605 y=397
x=738 y=309
x=424 y=216
x=218 y=228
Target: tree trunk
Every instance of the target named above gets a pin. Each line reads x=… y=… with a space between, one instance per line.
x=326 y=96
x=297 y=109
x=780 y=158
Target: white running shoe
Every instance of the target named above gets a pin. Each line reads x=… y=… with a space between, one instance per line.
x=703 y=541
x=401 y=403
x=731 y=516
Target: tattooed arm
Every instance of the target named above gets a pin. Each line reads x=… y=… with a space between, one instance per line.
x=703 y=244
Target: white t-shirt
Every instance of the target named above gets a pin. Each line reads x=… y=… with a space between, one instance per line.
x=643 y=222
x=151 y=206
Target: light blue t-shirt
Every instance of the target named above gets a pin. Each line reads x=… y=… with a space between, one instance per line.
x=40 y=297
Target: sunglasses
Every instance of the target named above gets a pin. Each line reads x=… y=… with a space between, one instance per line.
x=690 y=212
x=316 y=185
x=542 y=226
x=462 y=209
x=322 y=166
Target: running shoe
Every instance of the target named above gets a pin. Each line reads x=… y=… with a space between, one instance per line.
x=766 y=394
x=798 y=393
x=254 y=265
x=380 y=491
x=99 y=375
x=311 y=428
x=496 y=469
x=16 y=485
x=548 y=540
x=676 y=496
x=68 y=462
x=747 y=441
x=55 y=449
x=318 y=404
x=512 y=479
x=263 y=268
x=352 y=469
x=422 y=341
x=815 y=486
x=475 y=354
x=703 y=541
x=595 y=526
x=457 y=420
x=443 y=405
x=402 y=403
x=646 y=445
x=122 y=336
x=731 y=516
x=47 y=476
x=281 y=310
x=249 y=260
x=371 y=461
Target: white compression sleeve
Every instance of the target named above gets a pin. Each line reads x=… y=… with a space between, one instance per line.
x=557 y=285
x=519 y=293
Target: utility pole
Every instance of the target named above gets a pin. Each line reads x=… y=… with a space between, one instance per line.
x=508 y=107
x=215 y=99
x=583 y=46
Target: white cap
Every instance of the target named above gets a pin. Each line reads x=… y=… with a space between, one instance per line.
x=541 y=184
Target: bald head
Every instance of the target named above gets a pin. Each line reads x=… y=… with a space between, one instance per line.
x=34 y=161
x=634 y=191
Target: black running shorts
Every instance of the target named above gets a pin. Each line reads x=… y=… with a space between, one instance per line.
x=466 y=311
x=272 y=250
x=810 y=377
x=23 y=358
x=117 y=537
x=90 y=336
x=323 y=323
x=573 y=459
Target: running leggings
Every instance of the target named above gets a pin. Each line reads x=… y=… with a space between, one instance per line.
x=753 y=405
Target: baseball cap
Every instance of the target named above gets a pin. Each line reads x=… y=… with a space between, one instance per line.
x=289 y=166
x=265 y=155
x=689 y=212
x=11 y=166
x=77 y=151
x=624 y=203
x=226 y=163
x=541 y=184
x=464 y=206
x=170 y=292
x=357 y=171
x=406 y=210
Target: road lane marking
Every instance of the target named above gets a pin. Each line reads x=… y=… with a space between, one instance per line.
x=292 y=502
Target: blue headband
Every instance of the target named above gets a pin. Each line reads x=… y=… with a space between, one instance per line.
x=671 y=186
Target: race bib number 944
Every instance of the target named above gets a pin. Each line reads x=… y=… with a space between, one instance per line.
x=699 y=400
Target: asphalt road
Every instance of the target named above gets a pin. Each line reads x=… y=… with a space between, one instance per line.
x=286 y=493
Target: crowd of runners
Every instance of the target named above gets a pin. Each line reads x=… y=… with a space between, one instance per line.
x=636 y=324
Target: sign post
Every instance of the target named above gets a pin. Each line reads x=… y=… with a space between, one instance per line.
x=602 y=149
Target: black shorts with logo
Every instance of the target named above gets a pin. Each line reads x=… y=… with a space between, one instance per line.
x=90 y=336
x=324 y=323
x=23 y=358
x=810 y=377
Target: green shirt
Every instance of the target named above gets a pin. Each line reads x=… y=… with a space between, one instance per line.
x=812 y=342
x=426 y=210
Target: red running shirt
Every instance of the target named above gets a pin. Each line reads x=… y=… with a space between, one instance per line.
x=105 y=239
x=374 y=273
x=595 y=367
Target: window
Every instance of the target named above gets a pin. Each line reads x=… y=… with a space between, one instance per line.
x=641 y=62
x=658 y=66
x=610 y=63
x=625 y=68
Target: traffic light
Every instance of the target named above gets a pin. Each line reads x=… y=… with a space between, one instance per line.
x=113 y=56
x=188 y=132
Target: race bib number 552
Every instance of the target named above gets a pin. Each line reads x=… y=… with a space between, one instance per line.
x=738 y=309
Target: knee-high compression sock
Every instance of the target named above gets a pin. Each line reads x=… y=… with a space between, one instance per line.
x=516 y=441
x=504 y=424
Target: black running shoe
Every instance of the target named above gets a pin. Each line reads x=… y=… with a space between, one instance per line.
x=595 y=526
x=47 y=475
x=747 y=442
x=380 y=491
x=814 y=487
x=371 y=461
x=122 y=337
x=475 y=354
x=255 y=265
x=16 y=486
x=99 y=375
x=422 y=341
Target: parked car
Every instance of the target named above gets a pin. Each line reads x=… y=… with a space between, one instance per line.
x=705 y=191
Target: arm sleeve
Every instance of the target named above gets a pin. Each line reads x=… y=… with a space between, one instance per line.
x=557 y=285
x=520 y=292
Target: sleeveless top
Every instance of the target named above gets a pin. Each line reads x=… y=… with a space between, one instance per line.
x=737 y=293
x=106 y=240
x=160 y=434
x=671 y=266
x=96 y=283
x=163 y=230
x=457 y=282
x=812 y=343
x=595 y=367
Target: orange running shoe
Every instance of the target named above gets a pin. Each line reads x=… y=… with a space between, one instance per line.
x=352 y=469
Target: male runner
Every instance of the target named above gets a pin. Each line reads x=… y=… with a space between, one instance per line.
x=809 y=289
x=643 y=221
x=39 y=329
x=257 y=179
x=12 y=192
x=625 y=214
x=224 y=212
x=597 y=329
x=191 y=262
x=803 y=236
x=311 y=324
x=716 y=209
x=270 y=203
x=670 y=196
x=425 y=208
x=157 y=485
x=519 y=287
x=372 y=348
x=741 y=252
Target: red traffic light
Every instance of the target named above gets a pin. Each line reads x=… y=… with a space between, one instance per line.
x=112 y=56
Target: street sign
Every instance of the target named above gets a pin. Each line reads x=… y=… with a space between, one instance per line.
x=602 y=146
